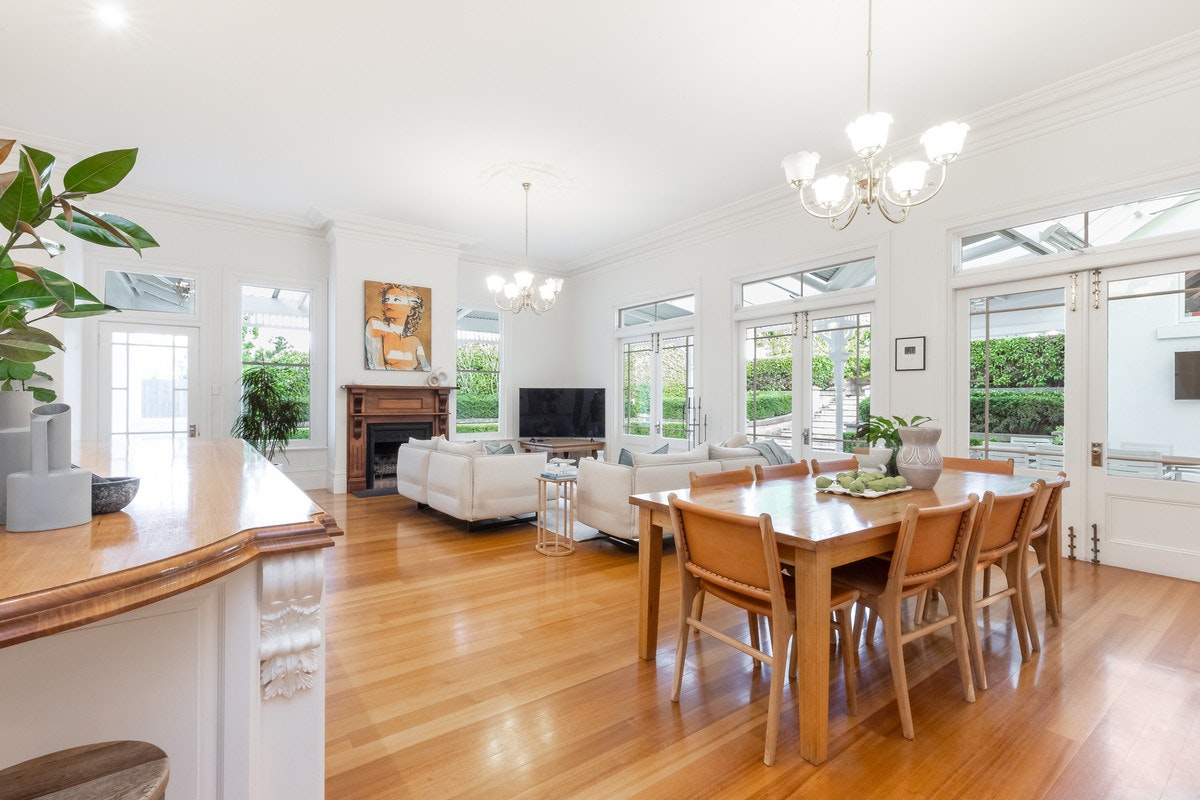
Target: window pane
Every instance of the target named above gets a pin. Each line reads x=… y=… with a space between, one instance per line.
x=638 y=363
x=133 y=291
x=277 y=333
x=807 y=283
x=769 y=383
x=660 y=311
x=841 y=380
x=1018 y=359
x=677 y=389
x=477 y=359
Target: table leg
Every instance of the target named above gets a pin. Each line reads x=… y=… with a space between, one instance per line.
x=650 y=543
x=812 y=570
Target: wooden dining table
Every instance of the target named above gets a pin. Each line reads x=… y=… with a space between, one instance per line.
x=816 y=531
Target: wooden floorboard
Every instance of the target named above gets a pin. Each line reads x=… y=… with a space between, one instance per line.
x=467 y=665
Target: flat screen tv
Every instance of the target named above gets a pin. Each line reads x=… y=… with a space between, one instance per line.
x=575 y=413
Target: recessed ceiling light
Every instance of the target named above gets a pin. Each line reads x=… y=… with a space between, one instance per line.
x=112 y=15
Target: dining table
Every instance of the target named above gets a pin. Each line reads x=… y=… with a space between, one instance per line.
x=816 y=531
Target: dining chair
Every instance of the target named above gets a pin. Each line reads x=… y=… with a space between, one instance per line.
x=978 y=465
x=930 y=552
x=1001 y=535
x=1039 y=548
x=834 y=465
x=727 y=477
x=735 y=558
x=771 y=472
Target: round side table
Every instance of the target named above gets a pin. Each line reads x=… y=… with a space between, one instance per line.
x=560 y=539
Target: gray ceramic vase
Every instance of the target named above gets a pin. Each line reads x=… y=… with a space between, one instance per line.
x=919 y=460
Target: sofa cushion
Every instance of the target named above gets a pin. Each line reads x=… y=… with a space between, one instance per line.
x=719 y=452
x=697 y=453
x=737 y=440
x=427 y=444
x=626 y=456
x=498 y=448
x=771 y=451
x=461 y=448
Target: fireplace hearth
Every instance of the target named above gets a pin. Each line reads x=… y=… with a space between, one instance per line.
x=379 y=419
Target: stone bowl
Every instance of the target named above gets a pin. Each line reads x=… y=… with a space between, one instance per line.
x=113 y=494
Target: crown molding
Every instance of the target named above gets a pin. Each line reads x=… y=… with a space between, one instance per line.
x=333 y=223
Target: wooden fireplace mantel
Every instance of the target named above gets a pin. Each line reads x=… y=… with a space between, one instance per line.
x=388 y=404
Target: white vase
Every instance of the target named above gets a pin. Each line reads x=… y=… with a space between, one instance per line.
x=14 y=439
x=919 y=460
x=53 y=493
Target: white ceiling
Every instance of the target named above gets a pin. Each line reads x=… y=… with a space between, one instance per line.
x=645 y=112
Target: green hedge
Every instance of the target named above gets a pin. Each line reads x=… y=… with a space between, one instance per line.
x=769 y=404
x=775 y=374
x=480 y=427
x=1029 y=413
x=477 y=406
x=1020 y=362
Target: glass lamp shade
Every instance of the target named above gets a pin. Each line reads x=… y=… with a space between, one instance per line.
x=547 y=290
x=868 y=134
x=830 y=190
x=495 y=283
x=800 y=167
x=908 y=178
x=523 y=279
x=944 y=142
x=510 y=290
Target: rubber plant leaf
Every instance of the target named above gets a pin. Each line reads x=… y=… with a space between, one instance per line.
x=20 y=201
x=109 y=230
x=28 y=295
x=100 y=172
x=87 y=305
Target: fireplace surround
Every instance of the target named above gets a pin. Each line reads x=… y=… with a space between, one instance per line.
x=400 y=412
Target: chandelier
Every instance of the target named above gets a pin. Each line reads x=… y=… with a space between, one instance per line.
x=519 y=294
x=892 y=188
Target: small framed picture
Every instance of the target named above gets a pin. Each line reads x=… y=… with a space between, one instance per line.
x=910 y=353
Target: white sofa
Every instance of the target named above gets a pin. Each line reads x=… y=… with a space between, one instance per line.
x=603 y=490
x=461 y=480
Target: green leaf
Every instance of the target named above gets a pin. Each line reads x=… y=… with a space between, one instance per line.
x=27 y=295
x=17 y=371
x=7 y=278
x=19 y=346
x=100 y=172
x=108 y=230
x=42 y=394
x=43 y=165
x=61 y=288
x=20 y=200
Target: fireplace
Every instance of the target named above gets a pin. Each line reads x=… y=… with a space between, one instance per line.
x=379 y=418
x=383 y=442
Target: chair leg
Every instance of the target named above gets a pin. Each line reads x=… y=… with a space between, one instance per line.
x=969 y=616
x=954 y=603
x=1041 y=548
x=691 y=597
x=755 y=642
x=1031 y=628
x=849 y=659
x=781 y=634
x=891 y=636
x=1018 y=584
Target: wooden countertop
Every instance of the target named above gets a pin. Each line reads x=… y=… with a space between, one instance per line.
x=204 y=509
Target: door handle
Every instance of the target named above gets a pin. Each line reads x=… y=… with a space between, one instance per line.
x=1097 y=454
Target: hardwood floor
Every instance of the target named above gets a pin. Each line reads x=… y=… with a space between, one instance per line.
x=469 y=666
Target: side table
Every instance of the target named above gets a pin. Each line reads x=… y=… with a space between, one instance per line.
x=560 y=539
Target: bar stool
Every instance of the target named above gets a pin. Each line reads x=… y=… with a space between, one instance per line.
x=105 y=771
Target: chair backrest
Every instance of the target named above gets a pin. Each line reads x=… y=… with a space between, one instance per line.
x=932 y=542
x=732 y=554
x=834 y=465
x=772 y=472
x=728 y=477
x=1053 y=491
x=979 y=465
x=1003 y=523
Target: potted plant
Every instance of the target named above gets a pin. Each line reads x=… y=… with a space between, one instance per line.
x=887 y=430
x=30 y=294
x=269 y=414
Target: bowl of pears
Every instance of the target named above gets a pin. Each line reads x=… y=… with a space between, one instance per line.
x=862 y=483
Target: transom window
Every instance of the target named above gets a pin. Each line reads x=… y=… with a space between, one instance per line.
x=809 y=282
x=1177 y=213
x=658 y=311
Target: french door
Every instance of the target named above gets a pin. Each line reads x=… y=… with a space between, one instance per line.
x=659 y=405
x=1143 y=432
x=808 y=379
x=144 y=380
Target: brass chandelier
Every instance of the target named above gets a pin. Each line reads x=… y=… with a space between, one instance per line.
x=892 y=188
x=519 y=294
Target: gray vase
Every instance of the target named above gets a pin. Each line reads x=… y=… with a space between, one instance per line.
x=53 y=493
x=14 y=439
x=919 y=460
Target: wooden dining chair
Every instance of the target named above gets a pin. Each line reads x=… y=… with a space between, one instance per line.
x=834 y=465
x=930 y=552
x=735 y=558
x=1039 y=549
x=728 y=477
x=1001 y=535
x=772 y=472
x=978 y=465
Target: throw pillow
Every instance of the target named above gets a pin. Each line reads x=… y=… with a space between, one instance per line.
x=499 y=449
x=717 y=451
x=461 y=448
x=626 y=456
x=771 y=451
x=427 y=444
x=661 y=456
x=737 y=440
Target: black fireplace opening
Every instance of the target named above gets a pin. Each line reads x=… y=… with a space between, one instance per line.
x=383 y=442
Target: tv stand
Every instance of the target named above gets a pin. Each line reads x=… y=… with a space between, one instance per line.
x=562 y=447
